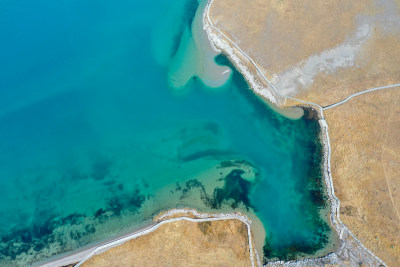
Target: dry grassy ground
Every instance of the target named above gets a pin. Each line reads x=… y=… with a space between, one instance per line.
x=182 y=243
x=323 y=51
x=282 y=36
x=365 y=140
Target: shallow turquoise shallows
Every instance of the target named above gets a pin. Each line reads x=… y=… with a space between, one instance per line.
x=96 y=138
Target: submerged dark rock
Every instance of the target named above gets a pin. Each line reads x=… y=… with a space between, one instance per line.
x=235 y=191
x=297 y=250
x=101 y=169
x=99 y=212
x=42 y=234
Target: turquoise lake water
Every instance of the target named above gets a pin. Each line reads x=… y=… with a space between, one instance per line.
x=95 y=139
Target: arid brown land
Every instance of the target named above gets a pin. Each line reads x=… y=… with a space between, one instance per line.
x=318 y=51
x=365 y=140
x=322 y=52
x=183 y=243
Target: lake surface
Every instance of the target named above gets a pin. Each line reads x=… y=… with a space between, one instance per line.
x=102 y=126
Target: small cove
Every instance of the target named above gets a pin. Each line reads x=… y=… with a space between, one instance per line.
x=94 y=139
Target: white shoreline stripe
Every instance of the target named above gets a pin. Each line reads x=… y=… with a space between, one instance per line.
x=203 y=218
x=339 y=226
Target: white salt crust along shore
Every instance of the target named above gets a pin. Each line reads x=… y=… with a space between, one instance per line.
x=201 y=217
x=351 y=249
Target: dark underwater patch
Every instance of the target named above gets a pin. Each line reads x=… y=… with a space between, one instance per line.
x=178 y=187
x=42 y=234
x=315 y=182
x=189 y=185
x=101 y=169
x=202 y=154
x=315 y=198
x=212 y=127
x=99 y=213
x=190 y=10
x=73 y=219
x=235 y=191
x=187 y=20
x=298 y=249
x=233 y=163
x=130 y=202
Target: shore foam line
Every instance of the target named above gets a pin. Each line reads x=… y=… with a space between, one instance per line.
x=337 y=224
x=203 y=217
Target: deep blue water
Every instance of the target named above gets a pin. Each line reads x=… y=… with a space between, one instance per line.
x=93 y=140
